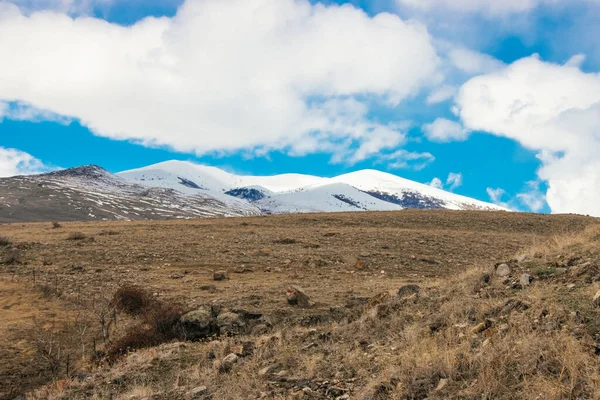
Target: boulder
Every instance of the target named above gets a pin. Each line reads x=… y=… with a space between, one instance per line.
x=503 y=270
x=296 y=296
x=198 y=324
x=230 y=323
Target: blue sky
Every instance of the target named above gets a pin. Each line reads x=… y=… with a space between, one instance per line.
x=375 y=116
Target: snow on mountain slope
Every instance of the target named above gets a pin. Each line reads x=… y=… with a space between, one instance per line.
x=92 y=193
x=409 y=193
x=374 y=190
x=333 y=197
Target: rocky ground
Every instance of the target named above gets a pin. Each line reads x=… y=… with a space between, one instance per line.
x=412 y=304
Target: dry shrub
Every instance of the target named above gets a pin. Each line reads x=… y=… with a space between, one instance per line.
x=132 y=299
x=76 y=236
x=159 y=321
x=56 y=225
x=4 y=241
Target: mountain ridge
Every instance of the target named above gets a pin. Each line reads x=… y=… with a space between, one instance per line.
x=184 y=190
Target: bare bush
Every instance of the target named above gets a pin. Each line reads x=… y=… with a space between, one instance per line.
x=76 y=236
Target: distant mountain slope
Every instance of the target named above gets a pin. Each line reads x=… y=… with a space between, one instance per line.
x=91 y=193
x=376 y=190
x=176 y=189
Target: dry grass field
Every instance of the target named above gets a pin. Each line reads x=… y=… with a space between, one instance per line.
x=455 y=330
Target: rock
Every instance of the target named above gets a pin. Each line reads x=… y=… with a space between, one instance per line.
x=198 y=324
x=220 y=275
x=228 y=362
x=525 y=280
x=503 y=328
x=176 y=276
x=269 y=370
x=442 y=384
x=408 y=290
x=502 y=270
x=597 y=299
x=230 y=323
x=560 y=271
x=482 y=326
x=296 y=296
x=571 y=286
x=197 y=392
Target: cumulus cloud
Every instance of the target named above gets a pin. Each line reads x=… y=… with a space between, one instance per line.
x=534 y=199
x=454 y=180
x=556 y=114
x=223 y=75
x=444 y=130
x=14 y=162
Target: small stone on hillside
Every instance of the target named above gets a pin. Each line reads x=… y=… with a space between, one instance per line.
x=503 y=270
x=230 y=323
x=296 y=296
x=220 y=275
x=228 y=362
x=196 y=393
x=197 y=324
x=525 y=280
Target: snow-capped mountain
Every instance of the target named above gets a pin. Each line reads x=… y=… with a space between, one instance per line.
x=176 y=189
x=365 y=190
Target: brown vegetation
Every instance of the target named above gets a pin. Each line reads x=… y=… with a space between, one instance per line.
x=439 y=322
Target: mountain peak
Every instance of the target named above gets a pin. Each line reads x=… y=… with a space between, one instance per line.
x=88 y=171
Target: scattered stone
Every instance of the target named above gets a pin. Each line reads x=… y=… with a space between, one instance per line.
x=482 y=326
x=503 y=270
x=560 y=271
x=596 y=300
x=209 y=288
x=525 y=280
x=220 y=275
x=176 y=276
x=503 y=328
x=197 y=392
x=230 y=323
x=228 y=362
x=408 y=290
x=442 y=384
x=269 y=370
x=571 y=286
x=296 y=296
x=198 y=324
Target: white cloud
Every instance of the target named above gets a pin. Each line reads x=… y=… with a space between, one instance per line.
x=15 y=162
x=533 y=198
x=496 y=196
x=401 y=159
x=454 y=180
x=473 y=62
x=556 y=114
x=444 y=130
x=436 y=183
x=441 y=94
x=223 y=75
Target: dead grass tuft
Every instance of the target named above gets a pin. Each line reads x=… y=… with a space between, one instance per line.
x=76 y=236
